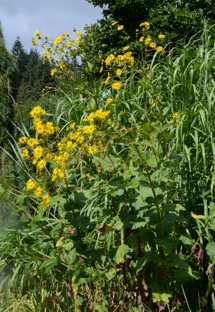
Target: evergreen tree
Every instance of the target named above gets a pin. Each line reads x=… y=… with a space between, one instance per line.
x=22 y=59
x=7 y=67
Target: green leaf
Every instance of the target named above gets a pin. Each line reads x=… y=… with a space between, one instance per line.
x=167 y=244
x=2 y=193
x=175 y=261
x=140 y=263
x=210 y=249
x=159 y=293
x=134 y=242
x=185 y=239
x=121 y=252
x=110 y=275
x=48 y=263
x=212 y=210
x=134 y=183
x=152 y=162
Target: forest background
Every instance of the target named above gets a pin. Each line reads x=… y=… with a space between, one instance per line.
x=75 y=85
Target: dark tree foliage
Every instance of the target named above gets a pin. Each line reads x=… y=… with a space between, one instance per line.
x=7 y=67
x=31 y=75
x=177 y=20
x=22 y=59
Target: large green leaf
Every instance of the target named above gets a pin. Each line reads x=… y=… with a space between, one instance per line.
x=120 y=253
x=159 y=293
x=210 y=249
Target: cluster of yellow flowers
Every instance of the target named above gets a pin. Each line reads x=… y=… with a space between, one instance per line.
x=31 y=185
x=174 y=118
x=79 y=141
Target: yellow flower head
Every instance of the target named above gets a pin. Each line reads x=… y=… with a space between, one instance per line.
x=118 y=72
x=126 y=48
x=152 y=45
x=38 y=191
x=37 y=33
x=116 y=85
x=79 y=33
x=72 y=125
x=53 y=71
x=108 y=101
x=141 y=39
x=114 y=23
x=146 y=24
x=120 y=27
x=161 y=36
x=22 y=140
x=147 y=41
x=159 y=48
x=57 y=40
x=37 y=111
x=30 y=184
x=25 y=153
x=46 y=199
x=33 y=41
x=108 y=78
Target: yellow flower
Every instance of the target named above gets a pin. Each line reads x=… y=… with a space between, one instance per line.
x=99 y=169
x=46 y=199
x=108 y=101
x=33 y=41
x=49 y=157
x=116 y=85
x=89 y=129
x=72 y=125
x=120 y=27
x=146 y=24
x=118 y=72
x=80 y=139
x=109 y=59
x=79 y=33
x=159 y=49
x=30 y=185
x=37 y=33
x=57 y=40
x=25 y=153
x=38 y=191
x=141 y=39
x=53 y=71
x=37 y=111
x=22 y=140
x=114 y=23
x=41 y=164
x=88 y=175
x=172 y=121
x=108 y=78
x=126 y=48
x=147 y=41
x=161 y=36
x=152 y=45
x=38 y=152
x=101 y=69
x=32 y=142
x=175 y=115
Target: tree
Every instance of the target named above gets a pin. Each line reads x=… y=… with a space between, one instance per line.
x=22 y=59
x=7 y=67
x=177 y=20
